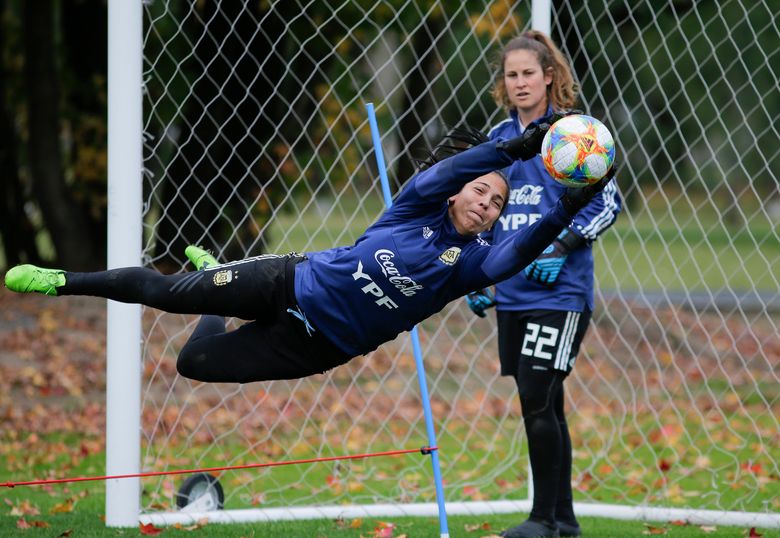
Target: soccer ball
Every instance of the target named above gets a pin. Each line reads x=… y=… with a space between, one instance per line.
x=578 y=150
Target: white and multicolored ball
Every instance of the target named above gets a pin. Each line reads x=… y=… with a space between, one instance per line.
x=578 y=150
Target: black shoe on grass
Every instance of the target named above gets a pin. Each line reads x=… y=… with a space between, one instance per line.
x=569 y=530
x=532 y=529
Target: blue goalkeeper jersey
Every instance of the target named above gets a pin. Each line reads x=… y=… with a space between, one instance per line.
x=411 y=262
x=533 y=193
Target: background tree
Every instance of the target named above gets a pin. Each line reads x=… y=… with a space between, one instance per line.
x=248 y=104
x=17 y=232
x=66 y=223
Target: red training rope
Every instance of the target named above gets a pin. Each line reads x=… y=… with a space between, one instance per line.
x=423 y=450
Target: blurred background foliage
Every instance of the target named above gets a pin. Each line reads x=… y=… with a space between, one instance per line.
x=231 y=136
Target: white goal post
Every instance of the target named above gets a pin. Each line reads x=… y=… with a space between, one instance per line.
x=123 y=321
x=255 y=139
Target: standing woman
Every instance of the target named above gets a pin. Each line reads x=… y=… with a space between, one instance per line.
x=543 y=311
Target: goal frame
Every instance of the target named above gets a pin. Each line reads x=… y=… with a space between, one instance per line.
x=123 y=386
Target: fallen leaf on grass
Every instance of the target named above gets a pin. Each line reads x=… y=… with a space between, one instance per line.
x=383 y=530
x=149 y=529
x=477 y=527
x=583 y=481
x=751 y=467
x=708 y=528
x=23 y=508
x=198 y=525
x=605 y=469
x=473 y=493
x=753 y=533
x=654 y=530
x=63 y=507
x=65 y=534
x=88 y=447
x=679 y=523
x=22 y=523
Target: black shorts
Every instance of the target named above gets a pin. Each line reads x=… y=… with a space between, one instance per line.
x=279 y=343
x=549 y=338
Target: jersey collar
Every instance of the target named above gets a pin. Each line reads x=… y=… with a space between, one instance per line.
x=520 y=127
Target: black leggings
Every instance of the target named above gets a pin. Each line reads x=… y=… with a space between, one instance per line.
x=275 y=345
x=549 y=443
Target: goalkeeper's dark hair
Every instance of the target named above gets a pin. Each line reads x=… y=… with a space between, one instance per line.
x=457 y=140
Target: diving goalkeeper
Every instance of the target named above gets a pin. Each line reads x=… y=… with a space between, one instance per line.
x=310 y=313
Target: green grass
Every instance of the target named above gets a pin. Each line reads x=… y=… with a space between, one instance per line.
x=84 y=524
x=663 y=246
x=85 y=519
x=671 y=247
x=677 y=260
x=323 y=225
x=80 y=506
x=645 y=251
x=703 y=467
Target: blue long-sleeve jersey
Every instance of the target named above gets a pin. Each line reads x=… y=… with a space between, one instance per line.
x=533 y=193
x=411 y=262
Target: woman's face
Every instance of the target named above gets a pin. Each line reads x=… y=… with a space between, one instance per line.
x=478 y=204
x=526 y=83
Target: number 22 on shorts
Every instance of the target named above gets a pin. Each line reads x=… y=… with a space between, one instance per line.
x=537 y=337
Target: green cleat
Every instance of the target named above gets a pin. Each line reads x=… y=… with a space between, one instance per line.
x=31 y=279
x=200 y=258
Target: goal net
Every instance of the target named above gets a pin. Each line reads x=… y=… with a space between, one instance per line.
x=257 y=141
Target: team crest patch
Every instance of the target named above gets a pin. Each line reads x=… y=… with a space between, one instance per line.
x=223 y=277
x=427 y=232
x=450 y=256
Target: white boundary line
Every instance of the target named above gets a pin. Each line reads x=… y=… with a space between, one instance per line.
x=642 y=513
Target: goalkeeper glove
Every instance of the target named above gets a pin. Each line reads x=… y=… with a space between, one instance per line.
x=528 y=145
x=560 y=114
x=479 y=301
x=546 y=268
x=575 y=198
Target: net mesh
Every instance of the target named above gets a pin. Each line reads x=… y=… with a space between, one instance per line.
x=256 y=140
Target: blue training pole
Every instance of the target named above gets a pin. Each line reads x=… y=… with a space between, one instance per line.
x=380 y=162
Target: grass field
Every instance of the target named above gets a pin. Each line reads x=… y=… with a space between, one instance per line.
x=672 y=248
x=86 y=523
x=53 y=510
x=77 y=510
x=641 y=252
